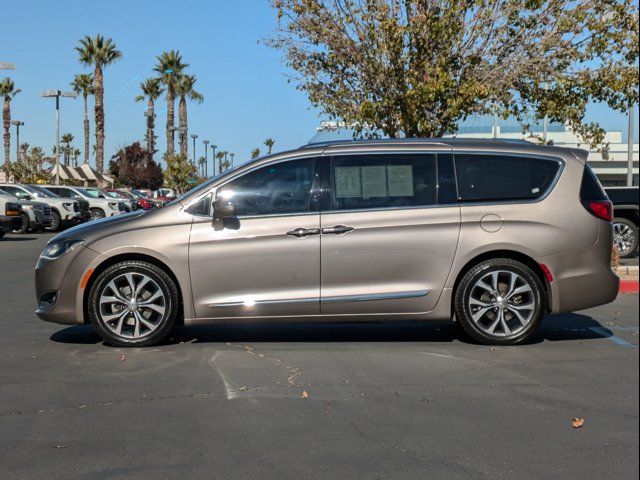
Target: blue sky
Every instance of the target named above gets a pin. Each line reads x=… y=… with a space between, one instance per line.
x=247 y=96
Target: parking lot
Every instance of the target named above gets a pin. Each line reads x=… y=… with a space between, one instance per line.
x=398 y=401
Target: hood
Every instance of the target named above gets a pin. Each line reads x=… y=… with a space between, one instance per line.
x=32 y=203
x=97 y=228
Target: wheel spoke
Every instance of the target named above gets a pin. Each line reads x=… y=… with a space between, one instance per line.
x=140 y=286
x=492 y=327
x=111 y=299
x=479 y=314
x=480 y=303
x=154 y=307
x=523 y=321
x=152 y=298
x=503 y=323
x=521 y=289
x=482 y=284
x=523 y=306
x=513 y=278
x=112 y=285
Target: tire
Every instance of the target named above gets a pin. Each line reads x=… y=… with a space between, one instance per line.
x=54 y=226
x=2 y=233
x=495 y=316
x=26 y=225
x=131 y=322
x=97 y=213
x=625 y=236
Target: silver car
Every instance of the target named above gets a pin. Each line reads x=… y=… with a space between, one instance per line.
x=491 y=234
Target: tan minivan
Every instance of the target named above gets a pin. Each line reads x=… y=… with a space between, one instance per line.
x=492 y=234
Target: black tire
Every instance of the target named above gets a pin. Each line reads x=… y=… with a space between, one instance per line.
x=54 y=226
x=631 y=244
x=476 y=329
x=2 y=233
x=97 y=213
x=25 y=227
x=165 y=322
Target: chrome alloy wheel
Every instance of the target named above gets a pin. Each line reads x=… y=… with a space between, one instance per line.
x=132 y=305
x=623 y=238
x=501 y=303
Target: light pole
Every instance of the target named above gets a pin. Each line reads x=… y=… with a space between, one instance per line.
x=232 y=155
x=57 y=94
x=7 y=66
x=213 y=159
x=194 y=136
x=18 y=124
x=630 y=148
x=206 y=157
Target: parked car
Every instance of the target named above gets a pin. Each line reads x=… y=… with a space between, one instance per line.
x=35 y=215
x=494 y=233
x=99 y=206
x=625 y=223
x=82 y=208
x=126 y=198
x=142 y=200
x=64 y=212
x=10 y=213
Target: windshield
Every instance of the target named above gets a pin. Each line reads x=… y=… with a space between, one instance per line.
x=140 y=193
x=39 y=191
x=91 y=192
x=112 y=194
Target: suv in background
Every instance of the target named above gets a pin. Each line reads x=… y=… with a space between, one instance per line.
x=493 y=234
x=126 y=198
x=35 y=215
x=99 y=206
x=625 y=224
x=64 y=212
x=10 y=214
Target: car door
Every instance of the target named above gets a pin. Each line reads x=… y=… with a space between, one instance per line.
x=265 y=261
x=389 y=232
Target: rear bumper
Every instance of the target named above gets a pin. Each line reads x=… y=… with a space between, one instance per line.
x=10 y=223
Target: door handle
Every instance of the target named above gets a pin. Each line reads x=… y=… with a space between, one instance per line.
x=338 y=229
x=304 y=232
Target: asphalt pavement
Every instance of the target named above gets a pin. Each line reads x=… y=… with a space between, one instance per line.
x=313 y=401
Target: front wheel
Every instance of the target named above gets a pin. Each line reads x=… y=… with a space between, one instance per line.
x=133 y=304
x=25 y=227
x=625 y=236
x=54 y=226
x=500 y=302
x=96 y=214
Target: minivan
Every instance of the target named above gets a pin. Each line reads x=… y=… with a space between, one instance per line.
x=491 y=234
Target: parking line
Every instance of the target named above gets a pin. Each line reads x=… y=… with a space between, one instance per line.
x=607 y=334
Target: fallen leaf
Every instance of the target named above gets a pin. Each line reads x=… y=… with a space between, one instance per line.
x=122 y=357
x=305 y=394
x=577 y=422
x=243 y=388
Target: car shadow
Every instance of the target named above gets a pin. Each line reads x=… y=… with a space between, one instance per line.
x=11 y=238
x=554 y=328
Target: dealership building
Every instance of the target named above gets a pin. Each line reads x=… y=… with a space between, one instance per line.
x=608 y=162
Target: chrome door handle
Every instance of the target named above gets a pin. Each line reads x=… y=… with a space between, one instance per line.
x=338 y=229
x=304 y=232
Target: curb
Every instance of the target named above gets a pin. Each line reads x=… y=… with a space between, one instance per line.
x=628 y=286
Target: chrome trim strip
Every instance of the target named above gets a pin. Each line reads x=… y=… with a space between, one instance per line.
x=243 y=303
x=376 y=296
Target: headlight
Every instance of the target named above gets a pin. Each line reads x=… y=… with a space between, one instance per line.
x=56 y=249
x=114 y=206
x=68 y=206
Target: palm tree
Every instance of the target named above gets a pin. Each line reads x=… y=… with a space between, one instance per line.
x=76 y=153
x=201 y=162
x=269 y=142
x=99 y=52
x=83 y=85
x=184 y=89
x=219 y=157
x=170 y=67
x=67 y=138
x=151 y=90
x=255 y=153
x=8 y=91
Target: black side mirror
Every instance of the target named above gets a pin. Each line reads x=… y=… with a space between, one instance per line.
x=223 y=209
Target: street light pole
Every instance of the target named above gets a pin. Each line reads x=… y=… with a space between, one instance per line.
x=7 y=66
x=232 y=155
x=206 y=157
x=194 y=136
x=630 y=148
x=57 y=94
x=18 y=124
x=213 y=159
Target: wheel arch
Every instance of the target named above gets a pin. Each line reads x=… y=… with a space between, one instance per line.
x=124 y=257
x=513 y=255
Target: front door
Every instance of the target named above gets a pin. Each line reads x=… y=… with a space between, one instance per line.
x=266 y=262
x=389 y=232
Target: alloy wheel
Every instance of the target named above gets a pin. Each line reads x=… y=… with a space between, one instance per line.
x=623 y=238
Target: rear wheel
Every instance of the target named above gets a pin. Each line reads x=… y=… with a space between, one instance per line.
x=133 y=304
x=500 y=302
x=625 y=236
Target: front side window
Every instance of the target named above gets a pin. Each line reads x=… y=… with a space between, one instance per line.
x=280 y=188
x=491 y=177
x=383 y=181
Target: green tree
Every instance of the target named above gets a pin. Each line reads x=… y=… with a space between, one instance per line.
x=179 y=172
x=255 y=153
x=82 y=84
x=66 y=150
x=99 y=52
x=151 y=90
x=185 y=90
x=269 y=142
x=415 y=68
x=221 y=162
x=170 y=66
x=8 y=92
x=29 y=169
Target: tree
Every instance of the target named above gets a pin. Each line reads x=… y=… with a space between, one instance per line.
x=133 y=166
x=8 y=92
x=185 y=89
x=29 y=169
x=82 y=84
x=221 y=162
x=269 y=142
x=151 y=90
x=201 y=163
x=255 y=153
x=180 y=171
x=67 y=138
x=99 y=52
x=170 y=66
x=414 y=68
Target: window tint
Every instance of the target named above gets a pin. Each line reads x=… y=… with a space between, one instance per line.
x=590 y=189
x=280 y=188
x=447 y=190
x=502 y=177
x=13 y=190
x=383 y=181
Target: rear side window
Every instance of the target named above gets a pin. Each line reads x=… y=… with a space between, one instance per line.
x=590 y=189
x=486 y=177
x=383 y=181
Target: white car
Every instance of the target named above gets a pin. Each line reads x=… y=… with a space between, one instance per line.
x=10 y=214
x=99 y=205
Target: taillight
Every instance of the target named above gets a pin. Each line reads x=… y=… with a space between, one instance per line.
x=12 y=209
x=602 y=209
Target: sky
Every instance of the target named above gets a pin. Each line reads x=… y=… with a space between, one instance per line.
x=247 y=95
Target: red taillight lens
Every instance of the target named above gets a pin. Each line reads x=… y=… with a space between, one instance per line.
x=602 y=209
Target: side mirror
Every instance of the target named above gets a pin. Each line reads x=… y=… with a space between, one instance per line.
x=223 y=209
